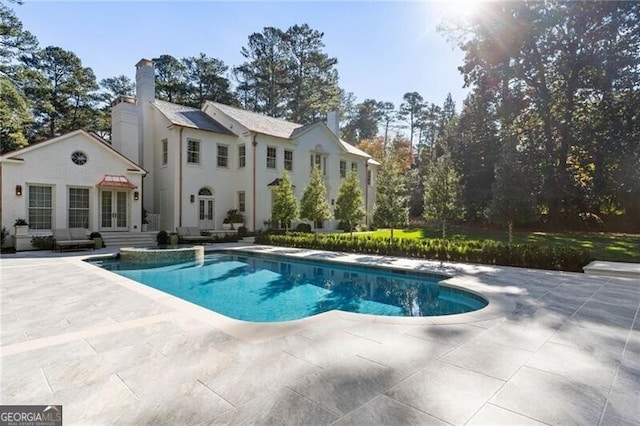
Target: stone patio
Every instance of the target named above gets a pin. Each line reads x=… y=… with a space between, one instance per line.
x=551 y=348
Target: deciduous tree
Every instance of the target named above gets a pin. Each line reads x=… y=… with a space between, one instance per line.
x=442 y=193
x=314 y=205
x=350 y=205
x=285 y=204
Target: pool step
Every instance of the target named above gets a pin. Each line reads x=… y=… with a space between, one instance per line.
x=129 y=239
x=613 y=269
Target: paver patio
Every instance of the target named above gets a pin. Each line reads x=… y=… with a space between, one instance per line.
x=551 y=348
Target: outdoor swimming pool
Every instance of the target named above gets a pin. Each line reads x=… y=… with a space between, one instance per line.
x=267 y=288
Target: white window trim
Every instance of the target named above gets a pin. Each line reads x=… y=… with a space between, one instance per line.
x=275 y=158
x=199 y=142
x=218 y=145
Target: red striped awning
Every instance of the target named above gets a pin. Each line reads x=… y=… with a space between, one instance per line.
x=115 y=181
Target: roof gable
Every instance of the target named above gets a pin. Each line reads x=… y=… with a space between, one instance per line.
x=88 y=136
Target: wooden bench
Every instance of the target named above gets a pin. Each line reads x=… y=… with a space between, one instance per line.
x=71 y=239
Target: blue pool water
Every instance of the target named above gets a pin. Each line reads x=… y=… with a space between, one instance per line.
x=266 y=288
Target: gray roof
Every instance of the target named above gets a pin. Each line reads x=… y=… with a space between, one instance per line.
x=259 y=123
x=185 y=116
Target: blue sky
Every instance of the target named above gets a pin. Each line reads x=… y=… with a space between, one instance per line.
x=384 y=49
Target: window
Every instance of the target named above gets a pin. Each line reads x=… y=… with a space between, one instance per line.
x=79 y=158
x=40 y=204
x=368 y=177
x=242 y=156
x=343 y=169
x=242 y=205
x=223 y=156
x=79 y=208
x=165 y=152
x=193 y=151
x=288 y=160
x=319 y=161
x=354 y=167
x=271 y=157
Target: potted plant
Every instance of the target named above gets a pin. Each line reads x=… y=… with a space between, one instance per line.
x=173 y=239
x=21 y=227
x=226 y=224
x=236 y=219
x=97 y=240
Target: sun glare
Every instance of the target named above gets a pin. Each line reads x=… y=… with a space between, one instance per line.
x=460 y=9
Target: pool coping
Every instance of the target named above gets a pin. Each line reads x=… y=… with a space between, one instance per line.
x=500 y=301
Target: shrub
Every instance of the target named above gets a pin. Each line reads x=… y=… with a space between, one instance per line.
x=303 y=227
x=42 y=242
x=242 y=231
x=486 y=252
x=95 y=235
x=20 y=222
x=162 y=238
x=4 y=233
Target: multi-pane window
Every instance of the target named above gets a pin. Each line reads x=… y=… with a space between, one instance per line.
x=271 y=157
x=242 y=202
x=193 y=151
x=242 y=156
x=223 y=156
x=165 y=152
x=368 y=177
x=79 y=208
x=40 y=207
x=343 y=169
x=319 y=161
x=288 y=160
x=354 y=167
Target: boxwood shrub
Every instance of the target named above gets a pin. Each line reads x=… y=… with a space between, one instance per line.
x=489 y=252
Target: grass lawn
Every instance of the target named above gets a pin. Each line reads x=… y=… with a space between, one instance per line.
x=603 y=246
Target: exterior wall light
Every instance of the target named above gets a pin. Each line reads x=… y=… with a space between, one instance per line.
x=192 y=198
x=136 y=195
x=19 y=190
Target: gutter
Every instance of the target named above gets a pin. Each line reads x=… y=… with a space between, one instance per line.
x=180 y=176
x=366 y=192
x=255 y=145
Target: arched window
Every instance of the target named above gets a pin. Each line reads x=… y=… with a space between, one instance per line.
x=205 y=192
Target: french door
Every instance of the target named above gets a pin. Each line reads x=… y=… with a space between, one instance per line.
x=114 y=210
x=206 y=209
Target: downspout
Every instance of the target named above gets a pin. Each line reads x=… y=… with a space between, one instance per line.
x=180 y=176
x=255 y=145
x=366 y=192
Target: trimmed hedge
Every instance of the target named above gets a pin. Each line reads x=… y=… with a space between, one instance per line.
x=489 y=252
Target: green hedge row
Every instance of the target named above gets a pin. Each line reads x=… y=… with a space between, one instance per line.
x=485 y=252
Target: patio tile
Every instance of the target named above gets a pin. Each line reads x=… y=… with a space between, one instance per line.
x=551 y=398
x=41 y=358
x=349 y=383
x=323 y=352
x=23 y=387
x=491 y=415
x=104 y=394
x=527 y=335
x=489 y=358
x=239 y=383
x=576 y=364
x=623 y=400
x=283 y=407
x=599 y=340
x=405 y=354
x=90 y=368
x=383 y=410
x=451 y=334
x=129 y=337
x=447 y=392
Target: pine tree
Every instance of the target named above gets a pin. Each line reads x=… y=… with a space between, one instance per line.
x=285 y=204
x=349 y=205
x=314 y=205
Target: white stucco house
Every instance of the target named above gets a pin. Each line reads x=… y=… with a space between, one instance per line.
x=184 y=166
x=76 y=180
x=204 y=162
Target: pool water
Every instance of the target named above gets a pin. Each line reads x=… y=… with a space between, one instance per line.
x=266 y=288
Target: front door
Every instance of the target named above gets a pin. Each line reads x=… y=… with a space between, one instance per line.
x=114 y=210
x=205 y=213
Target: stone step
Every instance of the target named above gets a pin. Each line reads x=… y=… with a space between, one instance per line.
x=129 y=239
x=613 y=269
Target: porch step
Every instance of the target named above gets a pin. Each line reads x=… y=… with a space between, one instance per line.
x=129 y=239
